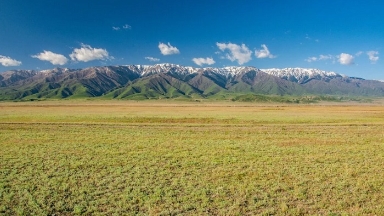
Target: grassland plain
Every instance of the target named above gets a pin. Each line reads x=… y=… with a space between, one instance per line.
x=160 y=158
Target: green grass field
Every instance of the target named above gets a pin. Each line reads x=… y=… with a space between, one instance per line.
x=157 y=158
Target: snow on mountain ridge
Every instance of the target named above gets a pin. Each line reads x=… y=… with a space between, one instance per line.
x=293 y=74
x=300 y=74
x=55 y=70
x=298 y=71
x=145 y=70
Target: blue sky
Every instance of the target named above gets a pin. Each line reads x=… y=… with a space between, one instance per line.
x=334 y=35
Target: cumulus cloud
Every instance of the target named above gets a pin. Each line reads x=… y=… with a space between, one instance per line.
x=54 y=58
x=201 y=61
x=7 y=61
x=346 y=59
x=263 y=53
x=373 y=56
x=115 y=28
x=152 y=59
x=241 y=54
x=87 y=53
x=168 y=49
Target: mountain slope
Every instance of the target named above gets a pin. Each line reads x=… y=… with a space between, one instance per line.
x=155 y=86
x=174 y=81
x=63 y=83
x=328 y=83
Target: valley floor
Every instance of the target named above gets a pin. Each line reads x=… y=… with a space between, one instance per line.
x=119 y=157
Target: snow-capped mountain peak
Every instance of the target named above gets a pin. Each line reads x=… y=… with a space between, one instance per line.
x=171 y=80
x=300 y=75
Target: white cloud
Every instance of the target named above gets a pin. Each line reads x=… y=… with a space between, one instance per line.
x=201 y=61
x=7 y=61
x=359 y=53
x=54 y=58
x=152 y=59
x=87 y=53
x=325 y=57
x=168 y=49
x=320 y=58
x=373 y=56
x=241 y=54
x=264 y=53
x=346 y=59
x=311 y=59
x=117 y=28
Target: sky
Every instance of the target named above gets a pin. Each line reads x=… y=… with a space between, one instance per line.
x=342 y=36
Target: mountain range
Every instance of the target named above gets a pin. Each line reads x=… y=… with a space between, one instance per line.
x=175 y=81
